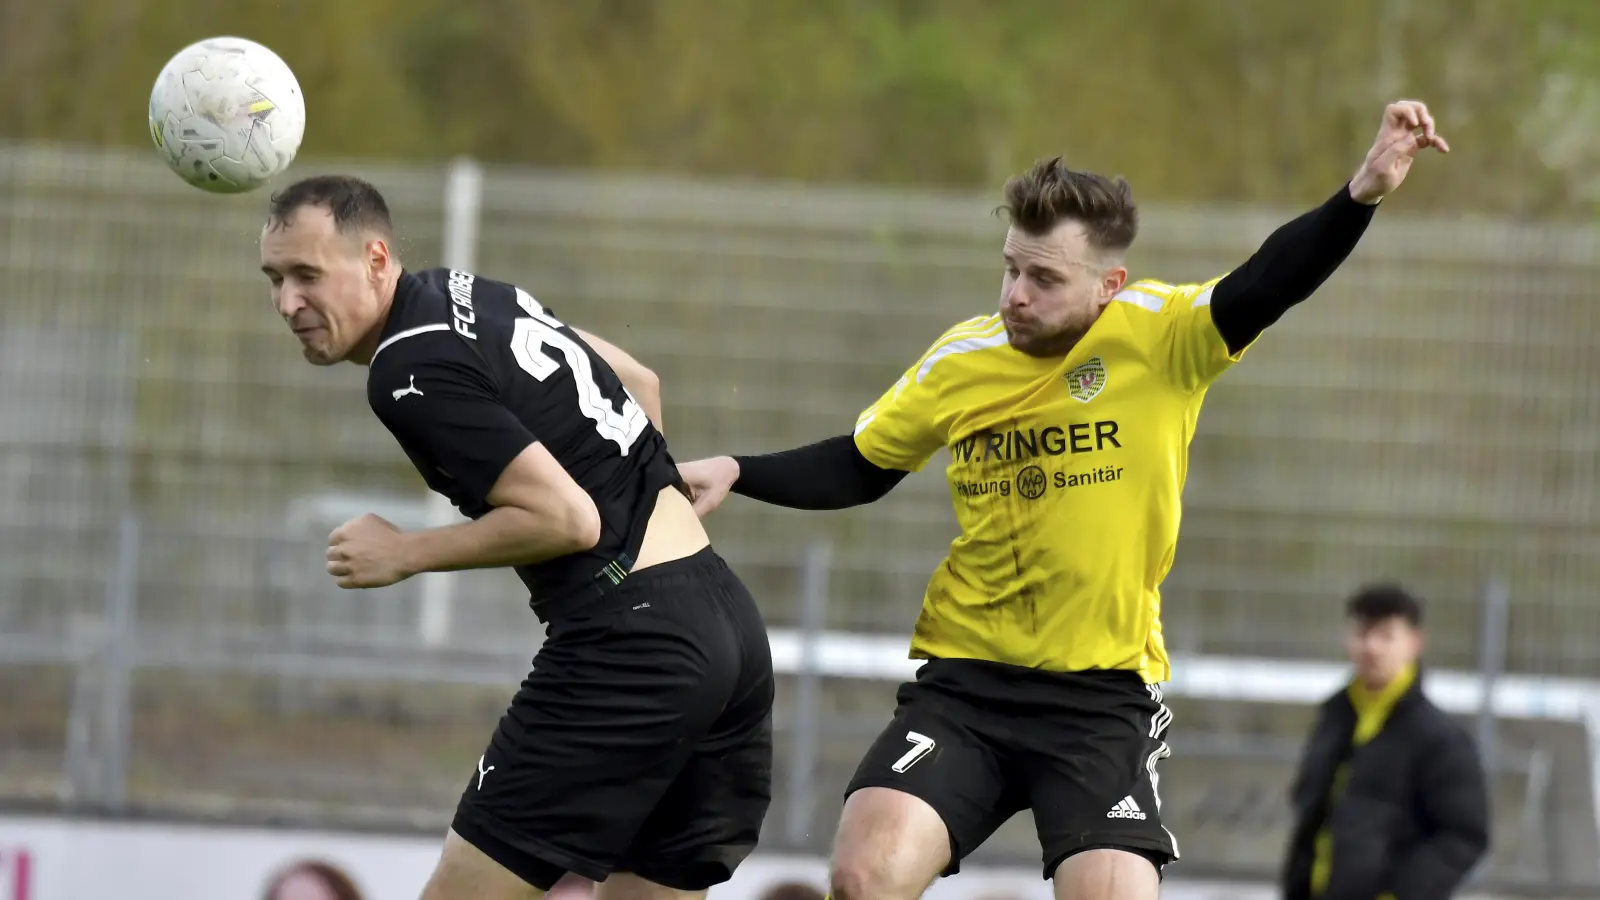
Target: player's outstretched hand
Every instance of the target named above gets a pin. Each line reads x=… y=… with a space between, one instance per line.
x=1407 y=130
x=709 y=481
x=366 y=552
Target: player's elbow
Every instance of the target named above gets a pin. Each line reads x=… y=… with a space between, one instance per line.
x=580 y=523
x=549 y=528
x=559 y=516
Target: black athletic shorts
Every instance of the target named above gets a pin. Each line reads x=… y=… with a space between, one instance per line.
x=641 y=741
x=981 y=741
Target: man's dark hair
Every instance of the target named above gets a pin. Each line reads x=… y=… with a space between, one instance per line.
x=1374 y=603
x=355 y=204
x=1050 y=193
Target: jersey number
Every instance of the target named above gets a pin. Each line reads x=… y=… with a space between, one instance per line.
x=921 y=745
x=528 y=341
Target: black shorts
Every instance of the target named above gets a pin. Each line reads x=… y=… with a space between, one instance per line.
x=981 y=741
x=641 y=741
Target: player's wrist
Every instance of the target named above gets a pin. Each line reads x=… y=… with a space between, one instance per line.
x=1363 y=191
x=410 y=553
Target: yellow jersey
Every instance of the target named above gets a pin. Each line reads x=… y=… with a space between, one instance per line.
x=1066 y=475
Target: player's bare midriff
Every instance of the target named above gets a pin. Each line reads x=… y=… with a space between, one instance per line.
x=674 y=531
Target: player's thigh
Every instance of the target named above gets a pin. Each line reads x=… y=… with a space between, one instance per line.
x=1093 y=785
x=466 y=873
x=596 y=735
x=709 y=819
x=929 y=791
x=1106 y=874
x=890 y=845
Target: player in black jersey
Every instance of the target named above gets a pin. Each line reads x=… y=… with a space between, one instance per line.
x=638 y=751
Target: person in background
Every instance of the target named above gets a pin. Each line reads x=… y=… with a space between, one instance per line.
x=792 y=890
x=1391 y=799
x=311 y=880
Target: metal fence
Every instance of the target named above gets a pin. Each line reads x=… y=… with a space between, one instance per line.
x=171 y=467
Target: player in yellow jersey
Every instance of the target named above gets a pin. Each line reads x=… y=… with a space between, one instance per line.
x=1067 y=417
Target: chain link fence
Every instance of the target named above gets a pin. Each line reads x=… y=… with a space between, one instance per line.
x=172 y=467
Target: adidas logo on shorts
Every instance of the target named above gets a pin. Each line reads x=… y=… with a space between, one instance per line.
x=1126 y=809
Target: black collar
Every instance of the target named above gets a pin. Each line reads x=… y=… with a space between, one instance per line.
x=406 y=290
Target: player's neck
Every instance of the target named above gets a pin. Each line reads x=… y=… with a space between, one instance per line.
x=367 y=347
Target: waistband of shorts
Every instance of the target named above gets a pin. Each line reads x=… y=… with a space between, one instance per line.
x=990 y=672
x=615 y=586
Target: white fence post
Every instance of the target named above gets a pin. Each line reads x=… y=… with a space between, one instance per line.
x=806 y=727
x=463 y=196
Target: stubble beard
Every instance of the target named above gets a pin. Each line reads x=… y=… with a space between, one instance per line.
x=1053 y=344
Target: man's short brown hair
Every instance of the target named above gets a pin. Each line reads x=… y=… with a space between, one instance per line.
x=1050 y=193
x=355 y=204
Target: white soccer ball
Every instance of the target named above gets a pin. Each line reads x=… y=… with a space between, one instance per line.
x=227 y=115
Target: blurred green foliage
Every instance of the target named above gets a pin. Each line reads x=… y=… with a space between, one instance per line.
x=1246 y=100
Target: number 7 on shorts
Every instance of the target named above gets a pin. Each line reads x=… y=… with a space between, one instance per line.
x=921 y=745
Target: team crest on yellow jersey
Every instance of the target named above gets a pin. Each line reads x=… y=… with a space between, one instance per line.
x=1085 y=381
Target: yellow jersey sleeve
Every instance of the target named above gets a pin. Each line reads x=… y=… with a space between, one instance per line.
x=1196 y=354
x=901 y=430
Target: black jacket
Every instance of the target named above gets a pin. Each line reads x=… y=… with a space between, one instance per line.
x=1414 y=816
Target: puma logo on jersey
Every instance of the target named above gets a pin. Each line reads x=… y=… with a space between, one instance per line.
x=408 y=389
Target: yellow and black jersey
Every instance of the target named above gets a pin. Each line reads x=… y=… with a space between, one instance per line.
x=1066 y=475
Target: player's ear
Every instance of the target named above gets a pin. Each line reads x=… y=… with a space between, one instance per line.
x=378 y=258
x=1113 y=279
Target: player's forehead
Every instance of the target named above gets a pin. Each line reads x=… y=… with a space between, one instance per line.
x=1064 y=246
x=304 y=234
x=1388 y=626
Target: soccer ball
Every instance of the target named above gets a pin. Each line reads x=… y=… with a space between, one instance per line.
x=227 y=115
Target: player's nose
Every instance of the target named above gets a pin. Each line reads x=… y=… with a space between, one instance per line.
x=288 y=302
x=1016 y=297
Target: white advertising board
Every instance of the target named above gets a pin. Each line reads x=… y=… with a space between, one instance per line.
x=44 y=858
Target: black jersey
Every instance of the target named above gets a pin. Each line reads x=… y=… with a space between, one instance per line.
x=470 y=372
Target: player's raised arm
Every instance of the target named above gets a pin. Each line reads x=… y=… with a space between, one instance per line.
x=1297 y=258
x=640 y=380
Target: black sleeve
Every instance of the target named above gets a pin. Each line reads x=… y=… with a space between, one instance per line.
x=1291 y=264
x=830 y=474
x=1454 y=797
x=438 y=399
